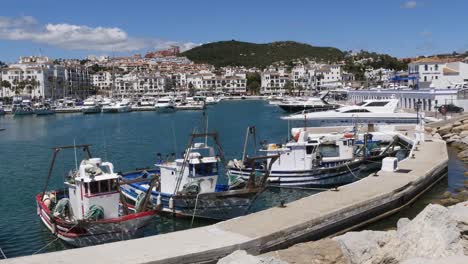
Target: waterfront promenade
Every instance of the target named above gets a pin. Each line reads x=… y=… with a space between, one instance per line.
x=310 y=218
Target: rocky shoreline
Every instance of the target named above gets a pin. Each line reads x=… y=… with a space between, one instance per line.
x=438 y=234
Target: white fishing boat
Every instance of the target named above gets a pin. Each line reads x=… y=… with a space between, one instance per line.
x=91 y=106
x=23 y=108
x=190 y=186
x=165 y=104
x=192 y=103
x=369 y=111
x=2 y=109
x=43 y=109
x=66 y=105
x=321 y=160
x=88 y=211
x=211 y=100
x=121 y=106
x=145 y=103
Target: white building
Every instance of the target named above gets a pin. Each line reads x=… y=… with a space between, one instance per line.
x=440 y=73
x=329 y=76
x=273 y=82
x=38 y=77
x=102 y=80
x=139 y=84
x=211 y=83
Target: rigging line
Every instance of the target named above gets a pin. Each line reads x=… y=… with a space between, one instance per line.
x=174 y=137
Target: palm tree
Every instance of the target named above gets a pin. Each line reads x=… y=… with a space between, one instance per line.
x=5 y=84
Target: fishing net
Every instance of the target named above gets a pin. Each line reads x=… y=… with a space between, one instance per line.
x=139 y=202
x=95 y=212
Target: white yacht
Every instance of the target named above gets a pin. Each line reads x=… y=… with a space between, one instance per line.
x=165 y=104
x=368 y=111
x=310 y=104
x=145 y=103
x=66 y=105
x=192 y=103
x=90 y=106
x=121 y=106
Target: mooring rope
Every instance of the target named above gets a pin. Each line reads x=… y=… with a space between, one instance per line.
x=359 y=178
x=48 y=244
x=4 y=256
x=194 y=211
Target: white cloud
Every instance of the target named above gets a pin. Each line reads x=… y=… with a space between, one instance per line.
x=79 y=37
x=425 y=34
x=410 y=4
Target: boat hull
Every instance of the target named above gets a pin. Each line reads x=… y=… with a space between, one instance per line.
x=219 y=205
x=91 y=110
x=44 y=112
x=117 y=110
x=88 y=233
x=334 y=175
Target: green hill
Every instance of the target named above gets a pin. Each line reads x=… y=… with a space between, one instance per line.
x=236 y=53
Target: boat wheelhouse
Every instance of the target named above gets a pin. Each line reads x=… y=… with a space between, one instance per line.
x=88 y=211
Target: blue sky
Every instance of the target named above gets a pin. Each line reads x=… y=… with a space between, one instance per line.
x=77 y=28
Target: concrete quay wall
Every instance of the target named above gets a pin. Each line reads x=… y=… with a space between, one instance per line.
x=310 y=218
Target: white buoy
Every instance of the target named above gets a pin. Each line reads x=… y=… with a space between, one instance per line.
x=171 y=203
x=158 y=200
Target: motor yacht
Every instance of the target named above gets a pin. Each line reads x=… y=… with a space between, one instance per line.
x=369 y=111
x=90 y=106
x=165 y=104
x=121 y=106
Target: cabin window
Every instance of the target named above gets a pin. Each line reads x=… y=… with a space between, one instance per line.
x=86 y=188
x=384 y=103
x=329 y=151
x=94 y=187
x=104 y=186
x=357 y=111
x=113 y=185
x=309 y=149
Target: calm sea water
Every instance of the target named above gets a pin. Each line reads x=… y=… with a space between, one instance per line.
x=130 y=141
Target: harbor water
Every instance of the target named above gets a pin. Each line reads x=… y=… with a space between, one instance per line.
x=130 y=141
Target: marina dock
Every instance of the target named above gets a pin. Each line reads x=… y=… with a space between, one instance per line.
x=325 y=214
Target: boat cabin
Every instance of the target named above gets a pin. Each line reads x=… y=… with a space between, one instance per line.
x=306 y=153
x=94 y=184
x=200 y=173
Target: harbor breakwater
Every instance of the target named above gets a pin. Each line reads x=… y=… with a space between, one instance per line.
x=311 y=218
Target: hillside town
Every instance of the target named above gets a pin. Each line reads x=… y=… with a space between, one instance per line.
x=165 y=72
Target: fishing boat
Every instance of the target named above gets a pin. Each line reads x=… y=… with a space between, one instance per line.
x=191 y=186
x=67 y=105
x=88 y=211
x=211 y=100
x=321 y=160
x=165 y=104
x=121 y=106
x=91 y=106
x=192 y=103
x=22 y=109
x=43 y=109
x=145 y=103
x=369 y=111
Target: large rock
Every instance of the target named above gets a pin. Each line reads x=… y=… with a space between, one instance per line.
x=325 y=251
x=444 y=129
x=436 y=232
x=453 y=138
x=459 y=129
x=464 y=133
x=463 y=154
x=445 y=260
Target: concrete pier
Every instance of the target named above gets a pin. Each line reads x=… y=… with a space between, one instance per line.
x=314 y=217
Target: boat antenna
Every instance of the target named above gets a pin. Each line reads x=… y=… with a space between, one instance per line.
x=74 y=148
